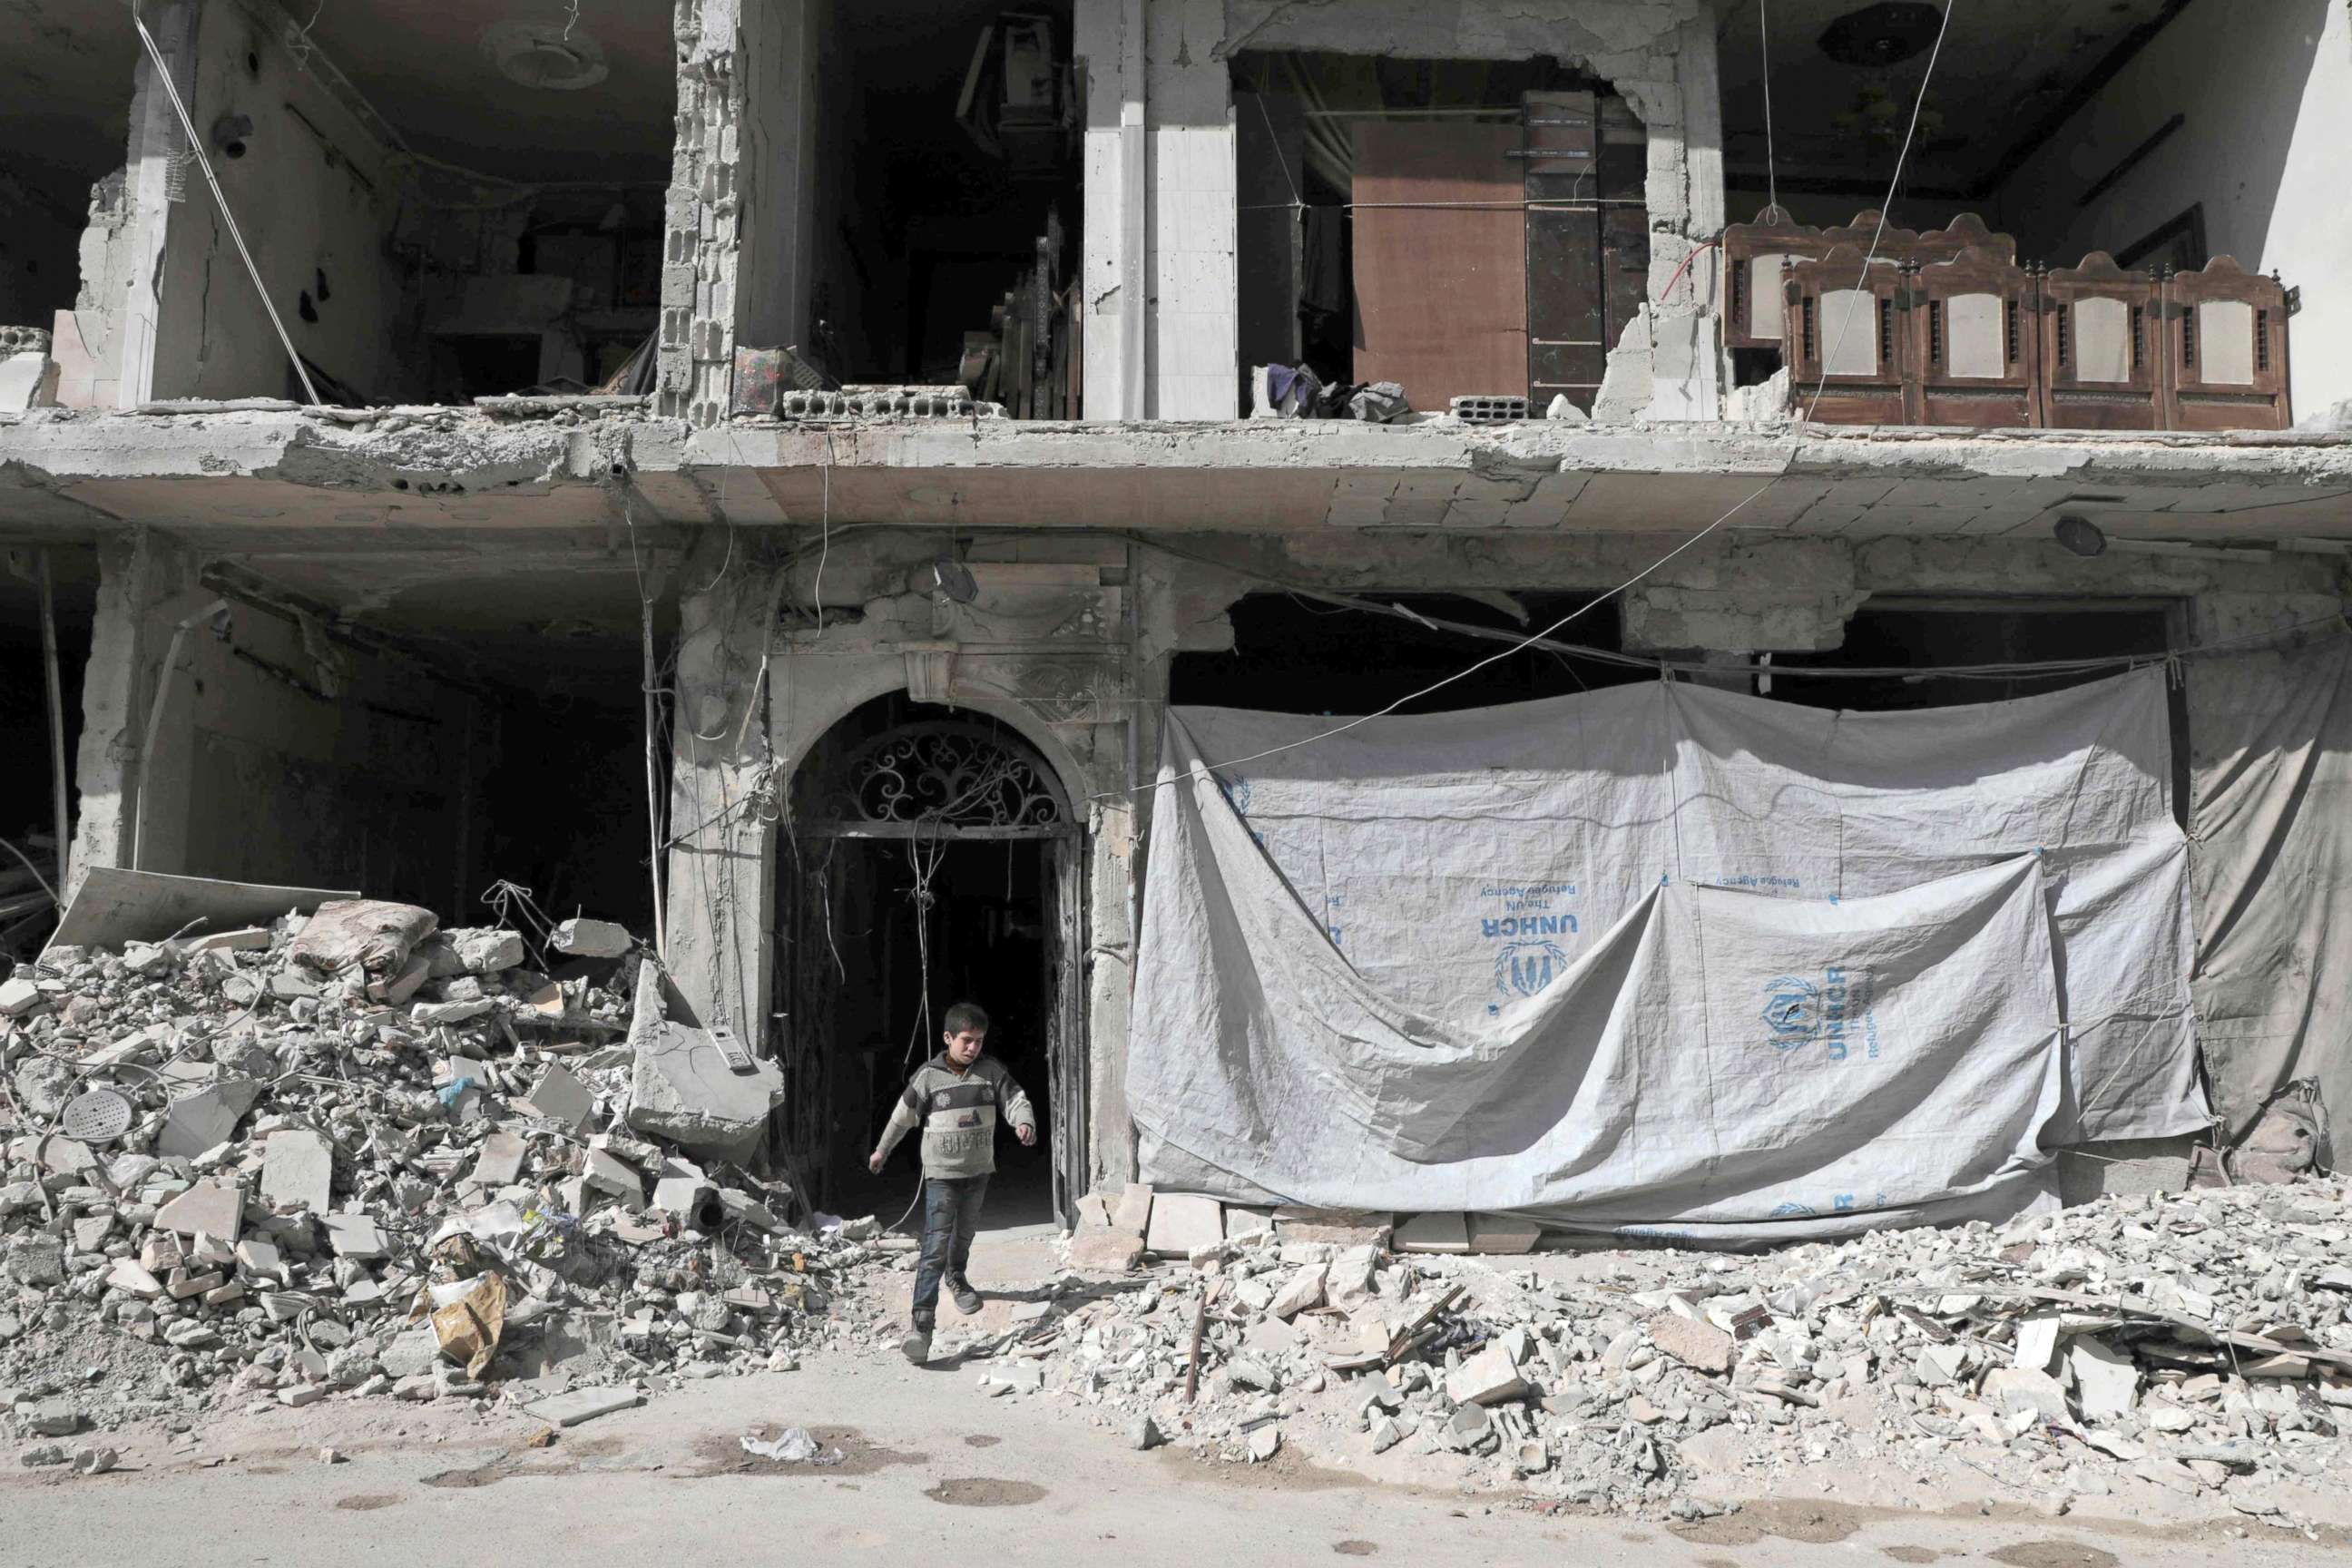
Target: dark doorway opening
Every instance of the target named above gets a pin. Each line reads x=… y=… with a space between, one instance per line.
x=1915 y=639
x=1294 y=654
x=28 y=801
x=931 y=859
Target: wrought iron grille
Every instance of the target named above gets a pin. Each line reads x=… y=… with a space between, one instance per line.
x=941 y=775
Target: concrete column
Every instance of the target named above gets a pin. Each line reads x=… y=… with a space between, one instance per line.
x=146 y=586
x=155 y=140
x=1194 y=295
x=1108 y=43
x=720 y=884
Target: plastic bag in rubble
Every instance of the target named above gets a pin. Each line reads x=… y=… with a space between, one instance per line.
x=792 y=1446
x=374 y=936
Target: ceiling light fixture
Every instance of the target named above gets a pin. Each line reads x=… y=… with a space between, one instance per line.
x=545 y=55
x=1885 y=34
x=2081 y=536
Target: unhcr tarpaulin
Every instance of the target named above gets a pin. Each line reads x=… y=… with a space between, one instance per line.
x=1343 y=941
x=2273 y=731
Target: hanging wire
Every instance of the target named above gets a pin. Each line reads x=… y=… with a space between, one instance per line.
x=1772 y=212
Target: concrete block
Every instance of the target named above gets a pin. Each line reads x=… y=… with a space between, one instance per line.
x=1133 y=1209
x=298 y=1171
x=1106 y=1251
x=208 y=1207
x=1340 y=1227
x=1182 y=1223
x=607 y=1174
x=1241 y=1221
x=593 y=939
x=18 y=997
x=1497 y=1233
x=486 y=950
x=2011 y=1391
x=1490 y=1377
x=1445 y=1232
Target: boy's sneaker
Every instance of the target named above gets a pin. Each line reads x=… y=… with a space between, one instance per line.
x=916 y=1346
x=966 y=1298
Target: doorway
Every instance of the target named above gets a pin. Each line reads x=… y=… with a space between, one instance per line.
x=931 y=859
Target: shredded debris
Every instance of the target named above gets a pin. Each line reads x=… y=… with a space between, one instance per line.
x=357 y=1155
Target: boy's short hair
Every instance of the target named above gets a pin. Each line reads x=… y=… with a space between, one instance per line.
x=966 y=1016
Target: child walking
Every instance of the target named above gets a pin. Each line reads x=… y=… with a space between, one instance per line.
x=955 y=1099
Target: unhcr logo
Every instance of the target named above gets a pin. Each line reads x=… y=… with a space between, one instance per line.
x=1798 y=1012
x=1792 y=1011
x=1524 y=968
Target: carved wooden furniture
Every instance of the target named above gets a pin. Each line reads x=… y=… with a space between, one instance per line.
x=1847 y=351
x=2225 y=350
x=2102 y=364
x=1975 y=360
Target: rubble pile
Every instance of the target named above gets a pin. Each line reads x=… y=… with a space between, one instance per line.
x=2195 y=1345
x=357 y=1154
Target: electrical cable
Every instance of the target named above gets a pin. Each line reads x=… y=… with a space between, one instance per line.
x=196 y=145
x=1771 y=158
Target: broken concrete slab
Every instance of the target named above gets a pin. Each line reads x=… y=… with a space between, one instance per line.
x=354 y=1237
x=2107 y=1381
x=1490 y=1377
x=499 y=1162
x=1243 y=1222
x=1182 y=1223
x=607 y=1174
x=297 y=1170
x=582 y=1405
x=1695 y=1344
x=1340 y=1227
x=206 y=1118
x=686 y=1092
x=559 y=1096
x=1497 y=1234
x=1132 y=1211
x=1106 y=1251
x=1447 y=1232
x=593 y=939
x=209 y=1208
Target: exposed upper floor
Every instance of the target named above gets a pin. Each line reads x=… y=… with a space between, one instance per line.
x=725 y=211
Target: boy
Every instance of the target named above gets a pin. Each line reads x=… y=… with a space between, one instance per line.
x=955 y=1098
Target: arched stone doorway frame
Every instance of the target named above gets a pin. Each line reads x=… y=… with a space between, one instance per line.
x=803 y=727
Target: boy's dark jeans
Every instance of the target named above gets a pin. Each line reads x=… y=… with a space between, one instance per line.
x=950 y=1214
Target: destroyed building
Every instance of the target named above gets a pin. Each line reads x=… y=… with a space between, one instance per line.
x=765 y=472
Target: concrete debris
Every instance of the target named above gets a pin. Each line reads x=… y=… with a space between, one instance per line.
x=593 y=939
x=584 y=1404
x=323 y=1194
x=2139 y=1351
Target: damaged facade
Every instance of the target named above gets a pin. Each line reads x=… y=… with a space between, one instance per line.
x=884 y=387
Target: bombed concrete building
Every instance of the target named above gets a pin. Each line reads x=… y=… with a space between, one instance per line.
x=767 y=472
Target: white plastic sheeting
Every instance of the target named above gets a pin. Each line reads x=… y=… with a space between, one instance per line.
x=2273 y=736
x=1343 y=943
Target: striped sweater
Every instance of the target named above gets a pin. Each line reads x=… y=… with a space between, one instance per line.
x=957 y=1111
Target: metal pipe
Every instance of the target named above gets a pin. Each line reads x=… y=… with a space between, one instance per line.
x=155 y=721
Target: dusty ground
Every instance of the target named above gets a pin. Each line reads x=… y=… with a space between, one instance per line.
x=931 y=1462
